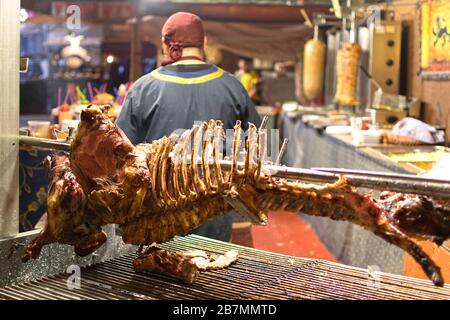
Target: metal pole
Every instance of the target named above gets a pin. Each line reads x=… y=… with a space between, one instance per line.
x=9 y=114
x=344 y=30
x=374 y=180
x=136 y=50
x=44 y=143
x=316 y=32
x=352 y=27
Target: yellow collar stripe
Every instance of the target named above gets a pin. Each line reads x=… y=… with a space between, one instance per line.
x=181 y=80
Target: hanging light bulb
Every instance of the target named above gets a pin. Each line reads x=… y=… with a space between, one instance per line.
x=110 y=59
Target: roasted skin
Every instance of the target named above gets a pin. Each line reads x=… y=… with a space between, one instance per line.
x=182 y=265
x=154 y=192
x=68 y=213
x=171 y=263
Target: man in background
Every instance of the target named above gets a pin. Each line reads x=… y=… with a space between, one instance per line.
x=185 y=90
x=249 y=79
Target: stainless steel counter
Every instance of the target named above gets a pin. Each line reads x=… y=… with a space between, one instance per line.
x=54 y=258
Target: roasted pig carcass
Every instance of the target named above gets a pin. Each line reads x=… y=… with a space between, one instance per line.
x=68 y=213
x=347 y=67
x=165 y=188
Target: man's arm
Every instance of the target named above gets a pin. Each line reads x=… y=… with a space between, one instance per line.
x=128 y=119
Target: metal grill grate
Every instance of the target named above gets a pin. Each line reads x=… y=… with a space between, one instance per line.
x=256 y=275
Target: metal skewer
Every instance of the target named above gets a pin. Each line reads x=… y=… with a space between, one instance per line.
x=44 y=143
x=375 y=180
x=368 y=179
x=379 y=174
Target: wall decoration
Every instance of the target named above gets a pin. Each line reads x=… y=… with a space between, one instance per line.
x=435 y=39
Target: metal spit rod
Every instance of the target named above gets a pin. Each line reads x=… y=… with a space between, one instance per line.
x=44 y=143
x=368 y=179
x=405 y=184
x=379 y=174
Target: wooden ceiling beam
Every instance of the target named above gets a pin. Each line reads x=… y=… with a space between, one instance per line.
x=222 y=12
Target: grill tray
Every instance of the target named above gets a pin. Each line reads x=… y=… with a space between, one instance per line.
x=256 y=275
